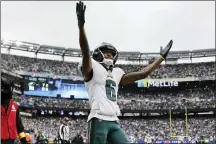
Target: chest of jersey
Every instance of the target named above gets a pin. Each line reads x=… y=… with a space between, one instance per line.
x=104 y=77
x=105 y=83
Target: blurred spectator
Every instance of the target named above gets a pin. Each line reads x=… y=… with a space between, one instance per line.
x=147 y=129
x=197 y=98
x=13 y=62
x=139 y=128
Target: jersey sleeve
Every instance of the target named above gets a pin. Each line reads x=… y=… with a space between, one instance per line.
x=120 y=73
x=95 y=68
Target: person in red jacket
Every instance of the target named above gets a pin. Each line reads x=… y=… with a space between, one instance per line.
x=11 y=124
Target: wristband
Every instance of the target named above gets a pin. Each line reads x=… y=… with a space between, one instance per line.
x=162 y=57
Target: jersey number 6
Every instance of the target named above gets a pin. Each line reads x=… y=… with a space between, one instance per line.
x=110 y=90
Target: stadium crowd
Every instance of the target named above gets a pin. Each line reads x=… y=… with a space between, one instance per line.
x=147 y=129
x=198 y=98
x=18 y=63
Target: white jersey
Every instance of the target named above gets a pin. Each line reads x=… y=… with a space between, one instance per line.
x=102 y=92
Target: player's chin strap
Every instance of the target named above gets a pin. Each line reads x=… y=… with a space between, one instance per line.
x=108 y=62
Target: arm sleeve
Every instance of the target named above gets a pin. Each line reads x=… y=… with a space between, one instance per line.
x=80 y=70
x=121 y=73
x=20 y=127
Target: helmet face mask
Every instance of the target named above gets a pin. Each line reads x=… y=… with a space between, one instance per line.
x=99 y=56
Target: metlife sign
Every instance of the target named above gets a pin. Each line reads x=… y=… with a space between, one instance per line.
x=156 y=83
x=162 y=84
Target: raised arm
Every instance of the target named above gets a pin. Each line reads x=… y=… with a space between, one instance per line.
x=134 y=76
x=86 y=67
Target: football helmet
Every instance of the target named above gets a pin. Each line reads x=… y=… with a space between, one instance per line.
x=98 y=55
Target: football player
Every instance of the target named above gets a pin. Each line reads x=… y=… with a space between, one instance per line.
x=102 y=81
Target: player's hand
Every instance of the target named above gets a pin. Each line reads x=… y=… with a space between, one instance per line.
x=164 y=52
x=80 y=11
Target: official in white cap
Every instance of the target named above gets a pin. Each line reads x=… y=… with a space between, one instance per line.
x=64 y=131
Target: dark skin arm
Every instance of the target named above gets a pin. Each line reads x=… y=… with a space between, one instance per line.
x=86 y=57
x=83 y=41
x=134 y=76
x=20 y=127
